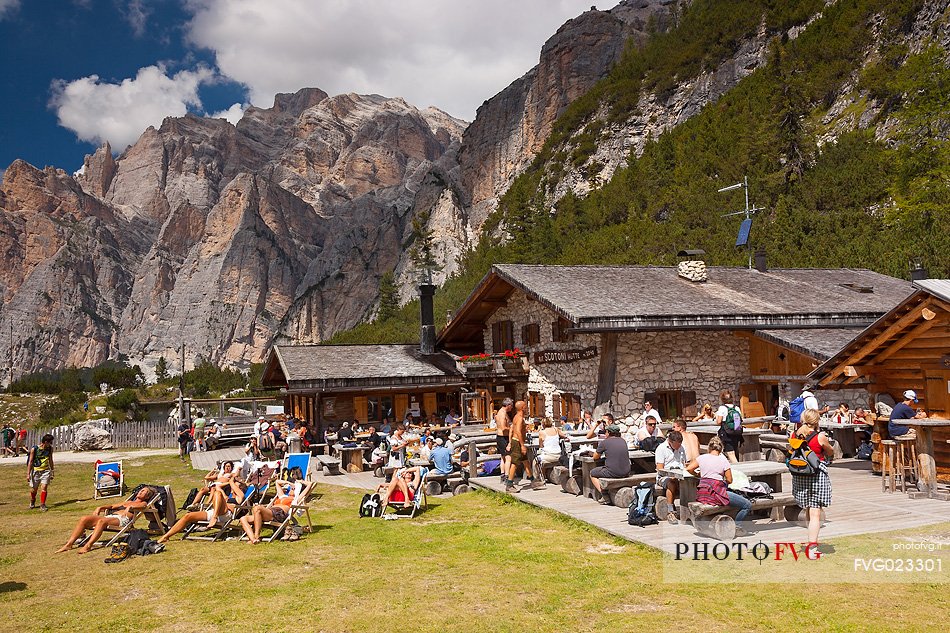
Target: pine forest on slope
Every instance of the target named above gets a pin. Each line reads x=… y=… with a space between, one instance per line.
x=842 y=132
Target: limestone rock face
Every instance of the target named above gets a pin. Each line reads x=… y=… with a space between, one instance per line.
x=222 y=237
x=511 y=127
x=91 y=438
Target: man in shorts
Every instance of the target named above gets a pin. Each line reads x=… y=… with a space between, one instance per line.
x=198 y=424
x=502 y=431
x=118 y=516
x=20 y=440
x=39 y=470
x=518 y=451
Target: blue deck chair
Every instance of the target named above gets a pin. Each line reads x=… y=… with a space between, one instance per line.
x=296 y=460
x=109 y=480
x=418 y=498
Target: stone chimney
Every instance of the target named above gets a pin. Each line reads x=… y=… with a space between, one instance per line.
x=427 y=334
x=692 y=268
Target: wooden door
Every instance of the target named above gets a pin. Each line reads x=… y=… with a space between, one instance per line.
x=429 y=403
x=937 y=402
x=360 y=409
x=401 y=406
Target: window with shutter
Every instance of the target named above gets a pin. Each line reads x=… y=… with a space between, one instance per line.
x=502 y=336
x=559 y=331
x=556 y=411
x=531 y=334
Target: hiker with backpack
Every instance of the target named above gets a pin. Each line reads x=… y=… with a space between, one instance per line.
x=39 y=466
x=808 y=463
x=715 y=475
x=805 y=401
x=729 y=420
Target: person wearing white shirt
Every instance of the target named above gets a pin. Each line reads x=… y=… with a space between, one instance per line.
x=811 y=402
x=670 y=455
x=452 y=418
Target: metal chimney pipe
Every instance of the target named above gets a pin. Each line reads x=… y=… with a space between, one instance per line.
x=427 y=318
x=760 y=261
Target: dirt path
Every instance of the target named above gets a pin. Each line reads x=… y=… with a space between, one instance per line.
x=91 y=457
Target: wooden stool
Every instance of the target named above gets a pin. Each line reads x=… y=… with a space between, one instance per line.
x=887 y=465
x=907 y=461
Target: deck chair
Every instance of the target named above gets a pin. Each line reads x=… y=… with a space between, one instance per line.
x=418 y=498
x=204 y=531
x=109 y=480
x=299 y=508
x=159 y=512
x=296 y=460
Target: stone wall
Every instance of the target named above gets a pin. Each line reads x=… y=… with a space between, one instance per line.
x=578 y=377
x=704 y=362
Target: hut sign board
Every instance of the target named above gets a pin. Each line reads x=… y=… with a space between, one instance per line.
x=564 y=355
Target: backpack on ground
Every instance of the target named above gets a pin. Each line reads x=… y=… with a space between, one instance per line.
x=803 y=460
x=371 y=505
x=189 y=499
x=865 y=450
x=795 y=409
x=650 y=443
x=733 y=421
x=641 y=511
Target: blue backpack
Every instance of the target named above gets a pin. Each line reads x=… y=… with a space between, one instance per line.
x=795 y=409
x=640 y=512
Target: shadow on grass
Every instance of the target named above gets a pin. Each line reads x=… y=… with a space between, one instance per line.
x=67 y=502
x=11 y=586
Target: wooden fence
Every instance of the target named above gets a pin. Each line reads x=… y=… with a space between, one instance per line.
x=150 y=434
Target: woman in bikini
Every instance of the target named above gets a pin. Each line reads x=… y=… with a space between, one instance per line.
x=287 y=491
x=117 y=516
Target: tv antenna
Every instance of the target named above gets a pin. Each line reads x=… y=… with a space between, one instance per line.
x=746 y=227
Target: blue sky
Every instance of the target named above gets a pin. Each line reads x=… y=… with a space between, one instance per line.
x=77 y=72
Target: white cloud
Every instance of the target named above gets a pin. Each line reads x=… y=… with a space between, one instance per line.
x=136 y=14
x=232 y=114
x=451 y=55
x=99 y=111
x=8 y=6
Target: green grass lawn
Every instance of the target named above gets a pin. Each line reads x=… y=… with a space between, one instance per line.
x=472 y=563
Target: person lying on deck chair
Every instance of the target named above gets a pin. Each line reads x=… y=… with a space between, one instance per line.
x=219 y=513
x=223 y=478
x=405 y=480
x=286 y=492
x=118 y=516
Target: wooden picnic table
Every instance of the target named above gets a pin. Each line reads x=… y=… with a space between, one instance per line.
x=749 y=451
x=351 y=457
x=588 y=463
x=844 y=434
x=927 y=466
x=761 y=470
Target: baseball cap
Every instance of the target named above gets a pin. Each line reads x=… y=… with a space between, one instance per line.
x=613 y=428
x=910 y=394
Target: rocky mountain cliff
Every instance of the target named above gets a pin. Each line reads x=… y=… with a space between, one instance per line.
x=511 y=127
x=218 y=236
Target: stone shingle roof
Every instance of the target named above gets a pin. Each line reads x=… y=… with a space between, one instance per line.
x=356 y=365
x=603 y=292
x=820 y=343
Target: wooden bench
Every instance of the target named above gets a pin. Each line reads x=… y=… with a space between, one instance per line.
x=330 y=465
x=719 y=521
x=620 y=491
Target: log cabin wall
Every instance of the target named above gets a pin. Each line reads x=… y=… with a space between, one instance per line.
x=769 y=359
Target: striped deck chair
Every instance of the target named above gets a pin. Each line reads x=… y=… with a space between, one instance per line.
x=109 y=480
x=396 y=501
x=159 y=512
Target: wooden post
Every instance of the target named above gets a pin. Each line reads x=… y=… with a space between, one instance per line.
x=473 y=460
x=606 y=374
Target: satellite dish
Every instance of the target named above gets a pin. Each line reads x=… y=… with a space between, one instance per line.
x=743 y=238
